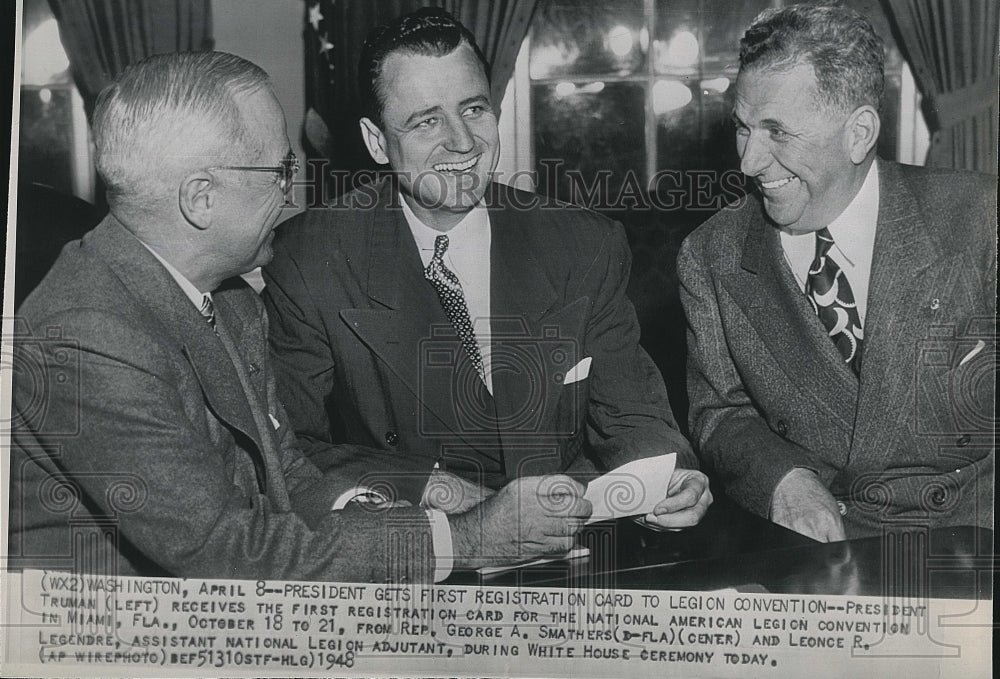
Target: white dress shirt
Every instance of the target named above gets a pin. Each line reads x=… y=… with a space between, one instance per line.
x=853 y=234
x=468 y=257
x=440 y=528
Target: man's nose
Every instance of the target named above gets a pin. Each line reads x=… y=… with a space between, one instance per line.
x=754 y=156
x=459 y=139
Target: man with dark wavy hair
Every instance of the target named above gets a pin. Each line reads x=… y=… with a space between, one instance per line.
x=807 y=303
x=476 y=338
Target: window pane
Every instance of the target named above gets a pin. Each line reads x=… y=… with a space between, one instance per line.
x=677 y=37
x=706 y=33
x=581 y=37
x=725 y=22
x=696 y=160
x=589 y=140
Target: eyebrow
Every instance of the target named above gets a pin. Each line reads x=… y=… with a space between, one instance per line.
x=420 y=114
x=766 y=122
x=477 y=99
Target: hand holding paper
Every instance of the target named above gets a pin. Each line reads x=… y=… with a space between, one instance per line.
x=667 y=497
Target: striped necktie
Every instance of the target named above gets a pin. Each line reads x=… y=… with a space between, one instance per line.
x=208 y=310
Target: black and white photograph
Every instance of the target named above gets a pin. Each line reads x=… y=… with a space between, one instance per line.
x=500 y=338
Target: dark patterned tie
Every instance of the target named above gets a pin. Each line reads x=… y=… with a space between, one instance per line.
x=208 y=310
x=449 y=290
x=833 y=301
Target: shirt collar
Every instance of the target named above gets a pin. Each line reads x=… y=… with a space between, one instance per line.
x=853 y=230
x=196 y=296
x=473 y=224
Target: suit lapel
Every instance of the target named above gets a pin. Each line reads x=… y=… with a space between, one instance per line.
x=766 y=290
x=157 y=292
x=898 y=290
x=405 y=318
x=522 y=298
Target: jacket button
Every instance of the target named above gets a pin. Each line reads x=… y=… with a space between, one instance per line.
x=391 y=438
x=782 y=428
x=963 y=440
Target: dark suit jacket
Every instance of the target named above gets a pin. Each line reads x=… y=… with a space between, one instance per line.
x=364 y=351
x=770 y=392
x=131 y=421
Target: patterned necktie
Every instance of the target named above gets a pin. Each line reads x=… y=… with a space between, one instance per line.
x=449 y=290
x=833 y=301
x=208 y=310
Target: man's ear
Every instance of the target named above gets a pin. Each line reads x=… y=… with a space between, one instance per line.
x=197 y=197
x=374 y=141
x=863 y=126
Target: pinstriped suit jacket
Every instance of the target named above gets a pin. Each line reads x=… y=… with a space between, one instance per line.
x=909 y=442
x=132 y=423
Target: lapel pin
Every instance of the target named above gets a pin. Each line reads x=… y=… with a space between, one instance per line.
x=935 y=304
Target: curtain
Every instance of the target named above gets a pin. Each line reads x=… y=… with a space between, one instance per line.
x=952 y=48
x=499 y=27
x=335 y=31
x=102 y=37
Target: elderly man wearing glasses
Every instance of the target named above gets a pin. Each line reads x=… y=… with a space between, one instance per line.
x=147 y=437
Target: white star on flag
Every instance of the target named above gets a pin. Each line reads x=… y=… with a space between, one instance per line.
x=315 y=16
x=324 y=44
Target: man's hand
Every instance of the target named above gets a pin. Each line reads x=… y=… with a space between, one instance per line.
x=452 y=494
x=530 y=517
x=688 y=498
x=801 y=502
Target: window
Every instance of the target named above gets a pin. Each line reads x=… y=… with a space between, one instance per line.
x=630 y=101
x=54 y=140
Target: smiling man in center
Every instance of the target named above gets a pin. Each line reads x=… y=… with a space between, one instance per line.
x=475 y=335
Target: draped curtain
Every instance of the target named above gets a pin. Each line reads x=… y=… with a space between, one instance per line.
x=335 y=31
x=102 y=37
x=952 y=47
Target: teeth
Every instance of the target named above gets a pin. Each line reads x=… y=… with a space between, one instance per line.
x=456 y=167
x=777 y=183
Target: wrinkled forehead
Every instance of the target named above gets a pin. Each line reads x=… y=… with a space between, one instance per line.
x=766 y=90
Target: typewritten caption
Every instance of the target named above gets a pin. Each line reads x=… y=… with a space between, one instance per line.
x=273 y=627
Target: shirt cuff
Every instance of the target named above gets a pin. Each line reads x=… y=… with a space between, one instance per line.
x=360 y=493
x=444 y=553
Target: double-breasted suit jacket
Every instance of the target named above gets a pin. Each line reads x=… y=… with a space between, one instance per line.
x=365 y=353
x=910 y=442
x=134 y=422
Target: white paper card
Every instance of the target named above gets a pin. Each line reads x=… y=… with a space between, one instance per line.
x=632 y=489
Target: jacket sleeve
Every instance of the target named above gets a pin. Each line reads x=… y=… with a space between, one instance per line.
x=628 y=415
x=305 y=371
x=146 y=449
x=728 y=430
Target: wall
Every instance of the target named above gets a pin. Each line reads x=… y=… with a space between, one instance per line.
x=268 y=33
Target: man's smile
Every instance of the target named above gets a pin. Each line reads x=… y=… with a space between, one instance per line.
x=463 y=166
x=777 y=183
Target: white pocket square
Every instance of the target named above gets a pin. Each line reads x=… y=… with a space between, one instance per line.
x=578 y=372
x=975 y=350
